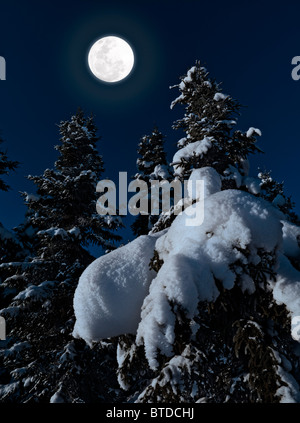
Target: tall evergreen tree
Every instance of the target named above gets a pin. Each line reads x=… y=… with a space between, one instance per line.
x=208 y=123
x=64 y=207
x=39 y=295
x=210 y=139
x=151 y=164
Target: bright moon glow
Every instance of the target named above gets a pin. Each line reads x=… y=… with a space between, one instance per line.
x=111 y=59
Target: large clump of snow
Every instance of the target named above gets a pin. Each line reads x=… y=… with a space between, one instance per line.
x=195 y=256
x=211 y=179
x=110 y=293
x=118 y=294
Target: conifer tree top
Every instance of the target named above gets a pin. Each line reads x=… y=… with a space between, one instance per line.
x=208 y=122
x=151 y=152
x=64 y=209
x=78 y=145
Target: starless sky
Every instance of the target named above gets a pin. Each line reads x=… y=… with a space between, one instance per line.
x=248 y=46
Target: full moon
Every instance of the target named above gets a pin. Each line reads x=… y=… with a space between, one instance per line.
x=111 y=59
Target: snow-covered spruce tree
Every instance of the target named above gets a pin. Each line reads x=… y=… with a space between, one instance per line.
x=39 y=315
x=208 y=122
x=64 y=208
x=210 y=139
x=211 y=320
x=151 y=164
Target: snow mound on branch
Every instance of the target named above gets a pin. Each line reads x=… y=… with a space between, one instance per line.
x=53 y=232
x=194 y=149
x=212 y=182
x=291 y=239
x=160 y=172
x=110 y=292
x=36 y=292
x=195 y=256
x=286 y=289
x=253 y=131
x=253 y=185
x=220 y=96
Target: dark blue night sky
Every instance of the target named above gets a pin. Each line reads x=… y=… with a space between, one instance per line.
x=247 y=45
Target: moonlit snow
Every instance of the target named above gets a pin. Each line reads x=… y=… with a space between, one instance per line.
x=195 y=256
x=212 y=182
x=118 y=294
x=111 y=291
x=198 y=148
